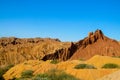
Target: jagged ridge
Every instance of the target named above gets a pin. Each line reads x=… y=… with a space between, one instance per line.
x=96 y=44
x=16 y=50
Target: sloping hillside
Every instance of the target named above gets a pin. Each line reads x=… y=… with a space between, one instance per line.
x=112 y=76
x=39 y=67
x=96 y=44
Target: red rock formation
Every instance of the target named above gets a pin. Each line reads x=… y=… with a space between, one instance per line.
x=62 y=54
x=16 y=50
x=96 y=44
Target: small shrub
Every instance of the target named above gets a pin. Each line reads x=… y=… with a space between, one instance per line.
x=9 y=66
x=21 y=78
x=54 y=61
x=25 y=63
x=110 y=65
x=116 y=56
x=27 y=74
x=41 y=77
x=55 y=75
x=81 y=59
x=84 y=66
x=4 y=70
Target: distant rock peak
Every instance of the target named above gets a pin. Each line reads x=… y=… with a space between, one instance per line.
x=93 y=37
x=98 y=34
x=96 y=43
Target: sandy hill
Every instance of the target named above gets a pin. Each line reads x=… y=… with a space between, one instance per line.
x=99 y=61
x=39 y=67
x=113 y=76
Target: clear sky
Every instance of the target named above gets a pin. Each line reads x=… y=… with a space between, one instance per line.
x=68 y=20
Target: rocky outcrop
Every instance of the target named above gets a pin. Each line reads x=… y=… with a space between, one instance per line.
x=91 y=39
x=96 y=44
x=16 y=50
x=62 y=54
x=4 y=41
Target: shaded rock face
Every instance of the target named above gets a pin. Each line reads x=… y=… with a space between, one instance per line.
x=96 y=44
x=62 y=54
x=91 y=39
x=16 y=50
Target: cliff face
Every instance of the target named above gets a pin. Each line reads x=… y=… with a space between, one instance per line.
x=16 y=50
x=96 y=44
x=62 y=54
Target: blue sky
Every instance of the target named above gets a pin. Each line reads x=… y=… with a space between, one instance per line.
x=68 y=20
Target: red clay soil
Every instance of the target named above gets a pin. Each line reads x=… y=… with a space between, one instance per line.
x=96 y=44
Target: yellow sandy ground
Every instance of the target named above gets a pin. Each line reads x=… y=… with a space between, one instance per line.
x=90 y=74
x=113 y=76
x=99 y=61
x=68 y=66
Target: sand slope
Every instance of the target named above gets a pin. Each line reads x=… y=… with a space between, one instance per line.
x=68 y=66
x=113 y=76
